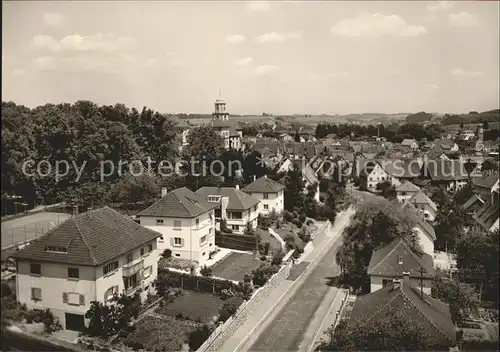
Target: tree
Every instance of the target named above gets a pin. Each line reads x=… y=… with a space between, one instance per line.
x=449 y=225
x=310 y=204
x=433 y=131
x=297 y=136
x=229 y=307
x=197 y=337
x=294 y=190
x=393 y=331
x=486 y=126
x=206 y=271
x=331 y=204
x=204 y=144
x=461 y=298
x=254 y=166
x=387 y=190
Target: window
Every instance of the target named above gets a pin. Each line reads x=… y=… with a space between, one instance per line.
x=177 y=255
x=73 y=273
x=177 y=241
x=266 y=196
x=385 y=283
x=142 y=251
x=160 y=239
x=147 y=272
x=159 y=221
x=235 y=227
x=254 y=208
x=266 y=207
x=236 y=215
x=177 y=224
x=403 y=193
x=36 y=269
x=150 y=247
x=74 y=299
x=36 y=294
x=197 y=222
x=130 y=257
x=110 y=292
x=108 y=268
x=203 y=239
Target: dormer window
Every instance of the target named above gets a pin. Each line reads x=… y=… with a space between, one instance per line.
x=53 y=249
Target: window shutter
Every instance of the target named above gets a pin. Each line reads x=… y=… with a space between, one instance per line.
x=182 y=242
x=65 y=297
x=33 y=293
x=82 y=300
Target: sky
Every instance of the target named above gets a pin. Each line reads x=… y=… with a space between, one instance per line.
x=276 y=57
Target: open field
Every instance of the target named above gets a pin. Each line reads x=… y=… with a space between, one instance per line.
x=195 y=306
x=160 y=333
x=29 y=227
x=235 y=266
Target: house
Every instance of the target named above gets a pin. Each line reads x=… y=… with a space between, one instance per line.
x=186 y=223
x=448 y=173
x=270 y=193
x=308 y=174
x=238 y=208
x=487 y=217
x=89 y=257
x=406 y=190
x=448 y=145
x=392 y=261
x=432 y=315
x=486 y=184
x=473 y=204
x=422 y=229
x=424 y=205
x=402 y=169
x=370 y=174
x=410 y=143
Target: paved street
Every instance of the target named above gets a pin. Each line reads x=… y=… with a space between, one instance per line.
x=288 y=328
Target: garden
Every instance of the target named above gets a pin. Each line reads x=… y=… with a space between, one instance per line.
x=235 y=266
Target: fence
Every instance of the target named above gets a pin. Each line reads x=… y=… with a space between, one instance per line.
x=224 y=331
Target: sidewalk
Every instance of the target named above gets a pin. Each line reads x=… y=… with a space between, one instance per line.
x=281 y=294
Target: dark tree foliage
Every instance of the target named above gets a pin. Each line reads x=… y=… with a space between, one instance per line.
x=294 y=191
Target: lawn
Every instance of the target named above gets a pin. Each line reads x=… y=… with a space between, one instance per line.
x=194 y=306
x=265 y=236
x=235 y=266
x=160 y=333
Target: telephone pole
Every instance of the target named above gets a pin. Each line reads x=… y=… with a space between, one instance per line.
x=421 y=282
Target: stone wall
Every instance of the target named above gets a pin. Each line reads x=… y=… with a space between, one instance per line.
x=223 y=332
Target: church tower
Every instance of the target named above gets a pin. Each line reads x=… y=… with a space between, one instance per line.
x=220 y=112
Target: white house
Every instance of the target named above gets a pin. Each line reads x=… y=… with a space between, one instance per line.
x=89 y=257
x=422 y=229
x=270 y=193
x=391 y=262
x=234 y=206
x=424 y=205
x=371 y=174
x=186 y=223
x=411 y=143
x=308 y=174
x=230 y=133
x=406 y=190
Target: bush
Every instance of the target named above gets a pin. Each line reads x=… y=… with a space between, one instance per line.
x=226 y=294
x=34 y=316
x=246 y=289
x=309 y=222
x=261 y=275
x=264 y=248
x=229 y=308
x=134 y=345
x=50 y=323
x=263 y=222
x=287 y=216
x=206 y=271
x=302 y=218
x=277 y=257
x=6 y=290
x=167 y=253
x=197 y=337
x=297 y=223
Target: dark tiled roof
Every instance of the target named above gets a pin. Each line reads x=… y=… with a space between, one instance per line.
x=421 y=198
x=432 y=314
x=92 y=238
x=402 y=167
x=471 y=201
x=419 y=220
x=407 y=186
x=408 y=142
x=263 y=185
x=485 y=181
x=180 y=203
x=445 y=170
x=238 y=200
x=487 y=215
x=385 y=261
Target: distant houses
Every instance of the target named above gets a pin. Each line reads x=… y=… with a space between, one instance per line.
x=270 y=193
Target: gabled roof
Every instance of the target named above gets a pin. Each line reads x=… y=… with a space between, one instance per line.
x=420 y=221
x=238 y=200
x=445 y=170
x=309 y=175
x=408 y=142
x=432 y=314
x=407 y=186
x=263 y=185
x=487 y=215
x=471 y=201
x=487 y=181
x=92 y=238
x=421 y=198
x=386 y=261
x=179 y=203
x=402 y=167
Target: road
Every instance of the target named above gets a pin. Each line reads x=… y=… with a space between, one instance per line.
x=290 y=327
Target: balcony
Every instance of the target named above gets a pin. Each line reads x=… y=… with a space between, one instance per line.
x=133 y=267
x=130 y=291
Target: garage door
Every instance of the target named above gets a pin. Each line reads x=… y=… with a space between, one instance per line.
x=75 y=322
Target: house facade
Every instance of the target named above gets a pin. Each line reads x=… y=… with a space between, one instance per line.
x=424 y=205
x=405 y=191
x=232 y=205
x=371 y=174
x=270 y=193
x=391 y=262
x=186 y=223
x=89 y=257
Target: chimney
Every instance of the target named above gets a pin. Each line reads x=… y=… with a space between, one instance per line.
x=238 y=187
x=164 y=191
